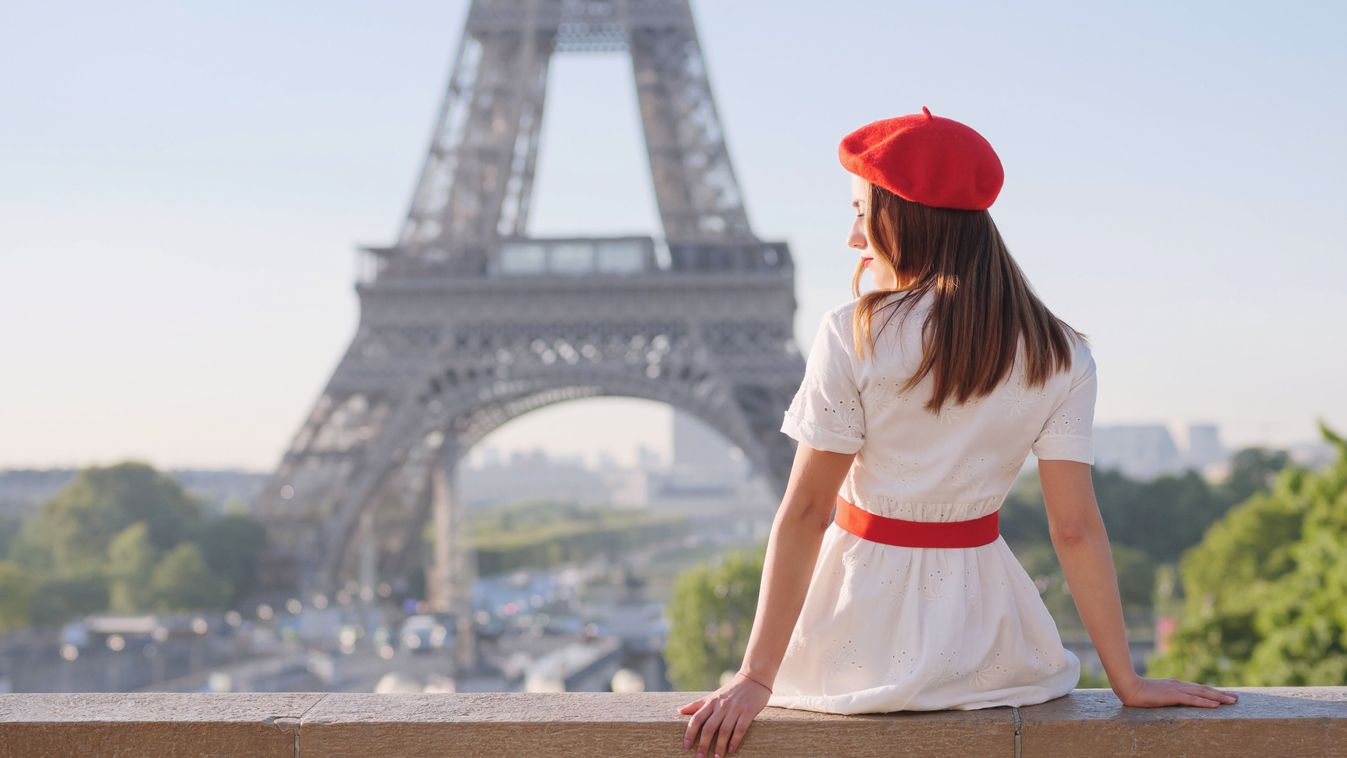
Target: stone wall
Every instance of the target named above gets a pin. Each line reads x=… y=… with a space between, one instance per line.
x=1271 y=721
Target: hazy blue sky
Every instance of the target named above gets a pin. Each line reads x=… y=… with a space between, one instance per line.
x=182 y=186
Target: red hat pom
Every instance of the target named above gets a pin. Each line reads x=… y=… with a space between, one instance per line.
x=927 y=159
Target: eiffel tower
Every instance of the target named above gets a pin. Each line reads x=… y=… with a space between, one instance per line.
x=466 y=322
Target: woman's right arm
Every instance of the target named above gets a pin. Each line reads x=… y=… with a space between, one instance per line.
x=792 y=552
x=1081 y=542
x=793 y=545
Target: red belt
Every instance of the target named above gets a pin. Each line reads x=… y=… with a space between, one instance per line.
x=897 y=531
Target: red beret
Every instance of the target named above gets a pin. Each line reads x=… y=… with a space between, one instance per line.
x=926 y=159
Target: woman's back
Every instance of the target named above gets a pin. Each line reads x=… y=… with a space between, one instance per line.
x=888 y=627
x=911 y=463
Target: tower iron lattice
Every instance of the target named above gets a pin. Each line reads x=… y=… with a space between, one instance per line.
x=466 y=322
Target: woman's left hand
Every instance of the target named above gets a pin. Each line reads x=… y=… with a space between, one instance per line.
x=724 y=715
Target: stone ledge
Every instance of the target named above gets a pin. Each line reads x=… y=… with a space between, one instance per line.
x=1088 y=722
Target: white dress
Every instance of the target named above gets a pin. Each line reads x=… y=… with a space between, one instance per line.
x=887 y=628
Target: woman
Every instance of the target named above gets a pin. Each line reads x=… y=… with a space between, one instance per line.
x=910 y=599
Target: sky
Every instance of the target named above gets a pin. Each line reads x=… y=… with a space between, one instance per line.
x=183 y=186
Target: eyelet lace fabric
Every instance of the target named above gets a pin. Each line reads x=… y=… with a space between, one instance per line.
x=887 y=628
x=841 y=415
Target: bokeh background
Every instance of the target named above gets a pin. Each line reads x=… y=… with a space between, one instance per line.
x=182 y=186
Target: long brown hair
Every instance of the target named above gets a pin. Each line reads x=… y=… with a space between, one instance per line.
x=983 y=303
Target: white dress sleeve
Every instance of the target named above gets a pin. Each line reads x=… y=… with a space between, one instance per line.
x=1068 y=434
x=826 y=412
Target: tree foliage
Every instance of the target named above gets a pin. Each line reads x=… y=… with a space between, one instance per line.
x=1265 y=592
x=540 y=533
x=1161 y=517
x=126 y=539
x=182 y=580
x=232 y=545
x=711 y=617
x=131 y=559
x=57 y=599
x=77 y=524
x=16 y=588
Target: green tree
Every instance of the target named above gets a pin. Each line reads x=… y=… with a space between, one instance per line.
x=131 y=559
x=1091 y=680
x=127 y=538
x=183 y=582
x=16 y=587
x=58 y=599
x=1162 y=517
x=1252 y=470
x=73 y=529
x=9 y=531
x=1265 y=590
x=1136 y=579
x=712 y=615
x=27 y=548
x=232 y=546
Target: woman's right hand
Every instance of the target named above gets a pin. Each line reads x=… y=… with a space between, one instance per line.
x=1153 y=693
x=723 y=716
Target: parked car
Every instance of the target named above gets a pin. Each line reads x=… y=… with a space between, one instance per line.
x=426 y=632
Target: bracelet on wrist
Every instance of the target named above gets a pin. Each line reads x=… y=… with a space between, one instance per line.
x=755 y=681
